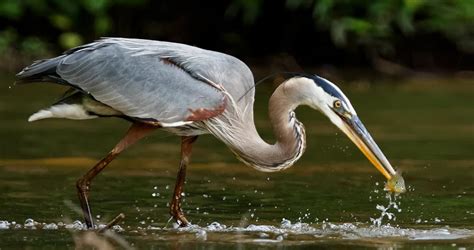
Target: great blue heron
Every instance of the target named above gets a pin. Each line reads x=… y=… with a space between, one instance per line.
x=189 y=91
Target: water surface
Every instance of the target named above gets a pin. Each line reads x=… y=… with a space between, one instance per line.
x=425 y=127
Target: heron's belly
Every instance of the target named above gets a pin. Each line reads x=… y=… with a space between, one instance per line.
x=187 y=130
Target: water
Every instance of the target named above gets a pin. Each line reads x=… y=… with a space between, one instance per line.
x=331 y=198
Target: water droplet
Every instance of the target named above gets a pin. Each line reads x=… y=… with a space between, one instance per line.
x=384 y=211
x=263 y=235
x=4 y=224
x=285 y=223
x=76 y=225
x=201 y=235
x=30 y=223
x=50 y=226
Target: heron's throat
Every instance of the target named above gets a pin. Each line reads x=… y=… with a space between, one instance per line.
x=288 y=131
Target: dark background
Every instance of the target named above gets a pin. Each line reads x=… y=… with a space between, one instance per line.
x=390 y=36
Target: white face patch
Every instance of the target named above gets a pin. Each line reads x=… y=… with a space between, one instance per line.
x=342 y=97
x=303 y=90
x=320 y=94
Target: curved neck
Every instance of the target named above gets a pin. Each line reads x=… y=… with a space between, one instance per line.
x=290 y=137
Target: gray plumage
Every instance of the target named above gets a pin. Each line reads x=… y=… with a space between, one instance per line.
x=190 y=91
x=164 y=84
x=149 y=80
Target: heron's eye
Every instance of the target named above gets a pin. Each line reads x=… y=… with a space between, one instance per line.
x=337 y=104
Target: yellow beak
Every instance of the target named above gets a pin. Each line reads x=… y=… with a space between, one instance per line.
x=359 y=135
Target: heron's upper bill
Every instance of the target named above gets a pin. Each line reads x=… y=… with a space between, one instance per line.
x=356 y=131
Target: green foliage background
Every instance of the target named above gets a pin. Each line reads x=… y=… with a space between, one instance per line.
x=378 y=25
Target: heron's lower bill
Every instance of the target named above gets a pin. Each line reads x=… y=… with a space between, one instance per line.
x=396 y=184
x=357 y=132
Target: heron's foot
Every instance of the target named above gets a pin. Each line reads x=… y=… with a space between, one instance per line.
x=181 y=220
x=83 y=189
x=178 y=216
x=112 y=223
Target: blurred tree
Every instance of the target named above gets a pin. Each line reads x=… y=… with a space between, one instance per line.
x=454 y=19
x=34 y=28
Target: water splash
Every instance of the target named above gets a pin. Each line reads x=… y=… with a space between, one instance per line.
x=387 y=212
x=4 y=225
x=288 y=230
x=285 y=231
x=31 y=224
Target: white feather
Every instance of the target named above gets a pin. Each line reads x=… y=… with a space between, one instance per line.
x=175 y=124
x=68 y=111
x=42 y=114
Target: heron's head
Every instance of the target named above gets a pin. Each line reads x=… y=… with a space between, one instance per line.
x=326 y=97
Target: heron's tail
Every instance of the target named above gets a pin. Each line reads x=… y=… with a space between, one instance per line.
x=75 y=105
x=41 y=71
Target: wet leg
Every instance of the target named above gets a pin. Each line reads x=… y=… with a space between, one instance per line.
x=134 y=134
x=175 y=208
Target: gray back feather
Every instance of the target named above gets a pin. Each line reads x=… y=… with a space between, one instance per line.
x=156 y=80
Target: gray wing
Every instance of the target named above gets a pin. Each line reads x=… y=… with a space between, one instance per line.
x=161 y=81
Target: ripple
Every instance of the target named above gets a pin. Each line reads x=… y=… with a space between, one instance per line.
x=31 y=224
x=271 y=233
x=327 y=230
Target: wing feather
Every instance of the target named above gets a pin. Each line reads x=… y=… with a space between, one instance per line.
x=136 y=78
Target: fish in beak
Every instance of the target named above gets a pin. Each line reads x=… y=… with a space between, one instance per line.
x=326 y=97
x=359 y=135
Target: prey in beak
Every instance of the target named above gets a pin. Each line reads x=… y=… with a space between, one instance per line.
x=359 y=135
x=332 y=102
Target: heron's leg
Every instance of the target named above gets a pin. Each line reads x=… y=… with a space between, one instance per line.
x=175 y=207
x=134 y=134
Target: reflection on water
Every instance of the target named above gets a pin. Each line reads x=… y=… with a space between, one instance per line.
x=327 y=199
